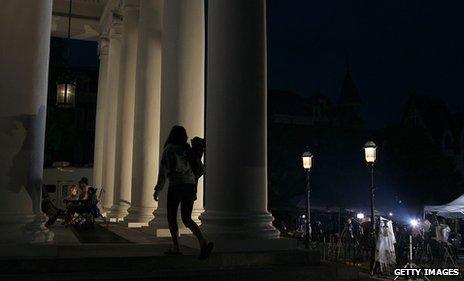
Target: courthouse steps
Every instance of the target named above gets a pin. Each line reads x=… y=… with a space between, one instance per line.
x=109 y=262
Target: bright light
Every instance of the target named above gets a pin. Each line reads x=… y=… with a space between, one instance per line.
x=414 y=222
x=360 y=216
x=390 y=214
x=370 y=152
x=65 y=95
x=307 y=158
x=303 y=216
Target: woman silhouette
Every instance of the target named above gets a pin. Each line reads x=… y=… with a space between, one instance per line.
x=176 y=165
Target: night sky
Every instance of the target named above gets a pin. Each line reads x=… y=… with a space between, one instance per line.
x=393 y=48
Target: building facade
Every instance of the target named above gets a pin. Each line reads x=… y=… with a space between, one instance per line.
x=153 y=72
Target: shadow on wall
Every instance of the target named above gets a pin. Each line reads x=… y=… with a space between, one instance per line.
x=21 y=153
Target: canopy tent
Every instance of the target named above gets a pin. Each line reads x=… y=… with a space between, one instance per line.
x=454 y=209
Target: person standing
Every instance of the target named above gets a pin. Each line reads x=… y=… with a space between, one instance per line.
x=179 y=165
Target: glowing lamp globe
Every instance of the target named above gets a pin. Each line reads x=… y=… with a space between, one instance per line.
x=66 y=94
x=360 y=216
x=307 y=160
x=370 y=152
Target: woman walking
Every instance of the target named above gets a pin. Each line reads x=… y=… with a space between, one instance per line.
x=179 y=164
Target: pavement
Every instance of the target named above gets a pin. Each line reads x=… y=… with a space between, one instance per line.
x=142 y=258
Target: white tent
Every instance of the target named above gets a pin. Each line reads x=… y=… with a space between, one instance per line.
x=454 y=209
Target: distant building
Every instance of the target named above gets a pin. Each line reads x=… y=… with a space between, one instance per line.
x=286 y=107
x=349 y=107
x=445 y=129
x=296 y=122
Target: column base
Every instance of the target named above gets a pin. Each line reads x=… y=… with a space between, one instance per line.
x=138 y=216
x=117 y=213
x=159 y=226
x=238 y=226
x=24 y=229
x=103 y=210
x=196 y=213
x=164 y=232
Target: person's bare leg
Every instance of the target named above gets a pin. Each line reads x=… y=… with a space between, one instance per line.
x=186 y=212
x=172 y=206
x=174 y=230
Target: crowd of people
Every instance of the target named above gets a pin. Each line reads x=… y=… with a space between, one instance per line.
x=435 y=239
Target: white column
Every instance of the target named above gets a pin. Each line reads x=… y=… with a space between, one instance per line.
x=126 y=102
x=182 y=87
x=24 y=57
x=236 y=162
x=147 y=114
x=114 y=57
x=100 y=114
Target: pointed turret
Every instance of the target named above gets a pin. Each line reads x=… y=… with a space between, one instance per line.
x=349 y=94
x=349 y=104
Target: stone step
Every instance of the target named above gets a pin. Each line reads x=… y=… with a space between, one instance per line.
x=43 y=262
x=321 y=272
x=217 y=261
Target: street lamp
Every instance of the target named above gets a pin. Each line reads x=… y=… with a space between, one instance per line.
x=370 y=154
x=66 y=89
x=66 y=94
x=307 y=158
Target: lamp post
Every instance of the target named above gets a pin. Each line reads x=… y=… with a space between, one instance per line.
x=307 y=163
x=371 y=155
x=66 y=89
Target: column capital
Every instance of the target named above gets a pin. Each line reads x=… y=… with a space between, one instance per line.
x=103 y=45
x=116 y=27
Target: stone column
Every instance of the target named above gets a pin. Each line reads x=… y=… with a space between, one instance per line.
x=109 y=151
x=24 y=56
x=126 y=102
x=102 y=103
x=147 y=114
x=236 y=162
x=182 y=87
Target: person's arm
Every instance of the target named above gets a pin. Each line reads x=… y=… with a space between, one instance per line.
x=161 y=178
x=162 y=174
x=202 y=168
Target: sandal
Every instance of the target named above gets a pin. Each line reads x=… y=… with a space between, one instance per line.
x=206 y=251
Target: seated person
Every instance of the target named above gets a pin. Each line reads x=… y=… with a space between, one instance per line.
x=72 y=203
x=76 y=203
x=84 y=186
x=50 y=210
x=85 y=202
x=74 y=192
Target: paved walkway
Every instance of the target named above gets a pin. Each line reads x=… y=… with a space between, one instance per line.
x=142 y=258
x=67 y=245
x=65 y=236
